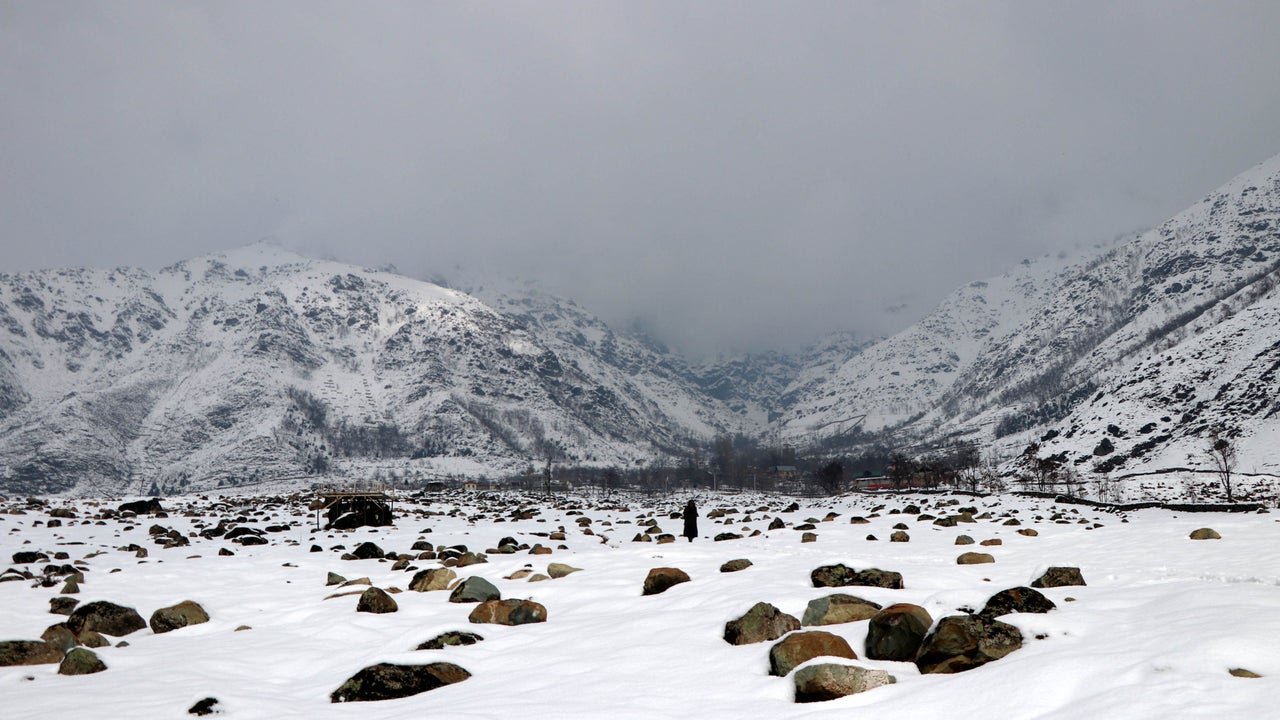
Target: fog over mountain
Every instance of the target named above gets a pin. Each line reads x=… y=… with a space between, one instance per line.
x=733 y=175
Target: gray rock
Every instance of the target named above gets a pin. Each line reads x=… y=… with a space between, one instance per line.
x=1059 y=577
x=105 y=617
x=763 y=622
x=80 y=661
x=183 y=614
x=964 y=642
x=376 y=601
x=828 y=681
x=838 y=608
x=473 y=590
x=386 y=681
x=896 y=632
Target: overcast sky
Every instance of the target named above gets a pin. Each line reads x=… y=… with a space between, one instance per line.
x=737 y=175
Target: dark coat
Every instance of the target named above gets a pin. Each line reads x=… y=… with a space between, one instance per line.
x=690 y=521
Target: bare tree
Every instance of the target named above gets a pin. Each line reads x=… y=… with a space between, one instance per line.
x=1222 y=453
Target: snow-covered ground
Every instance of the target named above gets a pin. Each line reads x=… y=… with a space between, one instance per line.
x=1153 y=634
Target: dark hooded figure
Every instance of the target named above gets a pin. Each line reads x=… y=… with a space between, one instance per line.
x=690 y=520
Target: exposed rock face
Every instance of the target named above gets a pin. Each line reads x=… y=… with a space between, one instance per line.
x=508 y=612
x=432 y=579
x=183 y=614
x=838 y=608
x=1059 y=577
x=828 y=681
x=763 y=622
x=450 y=639
x=896 y=632
x=844 y=576
x=964 y=642
x=106 y=618
x=801 y=647
x=473 y=590
x=1205 y=534
x=376 y=601
x=659 y=580
x=1016 y=600
x=80 y=661
x=28 y=652
x=386 y=681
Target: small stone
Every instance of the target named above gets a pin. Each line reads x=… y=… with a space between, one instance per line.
x=1205 y=534
x=62 y=605
x=900 y=537
x=1242 y=673
x=735 y=565
x=334 y=579
x=975 y=558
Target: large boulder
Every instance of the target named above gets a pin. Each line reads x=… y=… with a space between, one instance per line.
x=368 y=551
x=964 y=642
x=896 y=632
x=386 y=681
x=838 y=608
x=828 y=681
x=106 y=618
x=735 y=565
x=508 y=612
x=473 y=590
x=975 y=558
x=79 y=661
x=661 y=579
x=376 y=601
x=28 y=652
x=433 y=579
x=173 y=617
x=1205 y=534
x=1059 y=577
x=801 y=647
x=1016 y=600
x=844 y=576
x=142 y=507
x=763 y=622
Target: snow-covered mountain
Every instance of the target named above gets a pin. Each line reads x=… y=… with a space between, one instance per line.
x=1117 y=357
x=1152 y=340
x=260 y=363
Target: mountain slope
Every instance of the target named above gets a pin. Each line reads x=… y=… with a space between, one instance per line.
x=260 y=363
x=1010 y=359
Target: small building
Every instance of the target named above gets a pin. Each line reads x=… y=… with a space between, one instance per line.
x=470 y=486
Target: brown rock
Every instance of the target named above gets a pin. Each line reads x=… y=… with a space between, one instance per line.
x=661 y=579
x=895 y=633
x=801 y=647
x=508 y=612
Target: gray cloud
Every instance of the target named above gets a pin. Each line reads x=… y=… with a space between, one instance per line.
x=737 y=175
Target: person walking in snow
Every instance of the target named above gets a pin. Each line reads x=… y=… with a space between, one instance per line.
x=690 y=520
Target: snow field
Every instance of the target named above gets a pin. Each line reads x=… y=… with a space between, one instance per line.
x=1152 y=636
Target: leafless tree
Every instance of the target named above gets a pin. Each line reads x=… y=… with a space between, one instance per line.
x=1222 y=453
